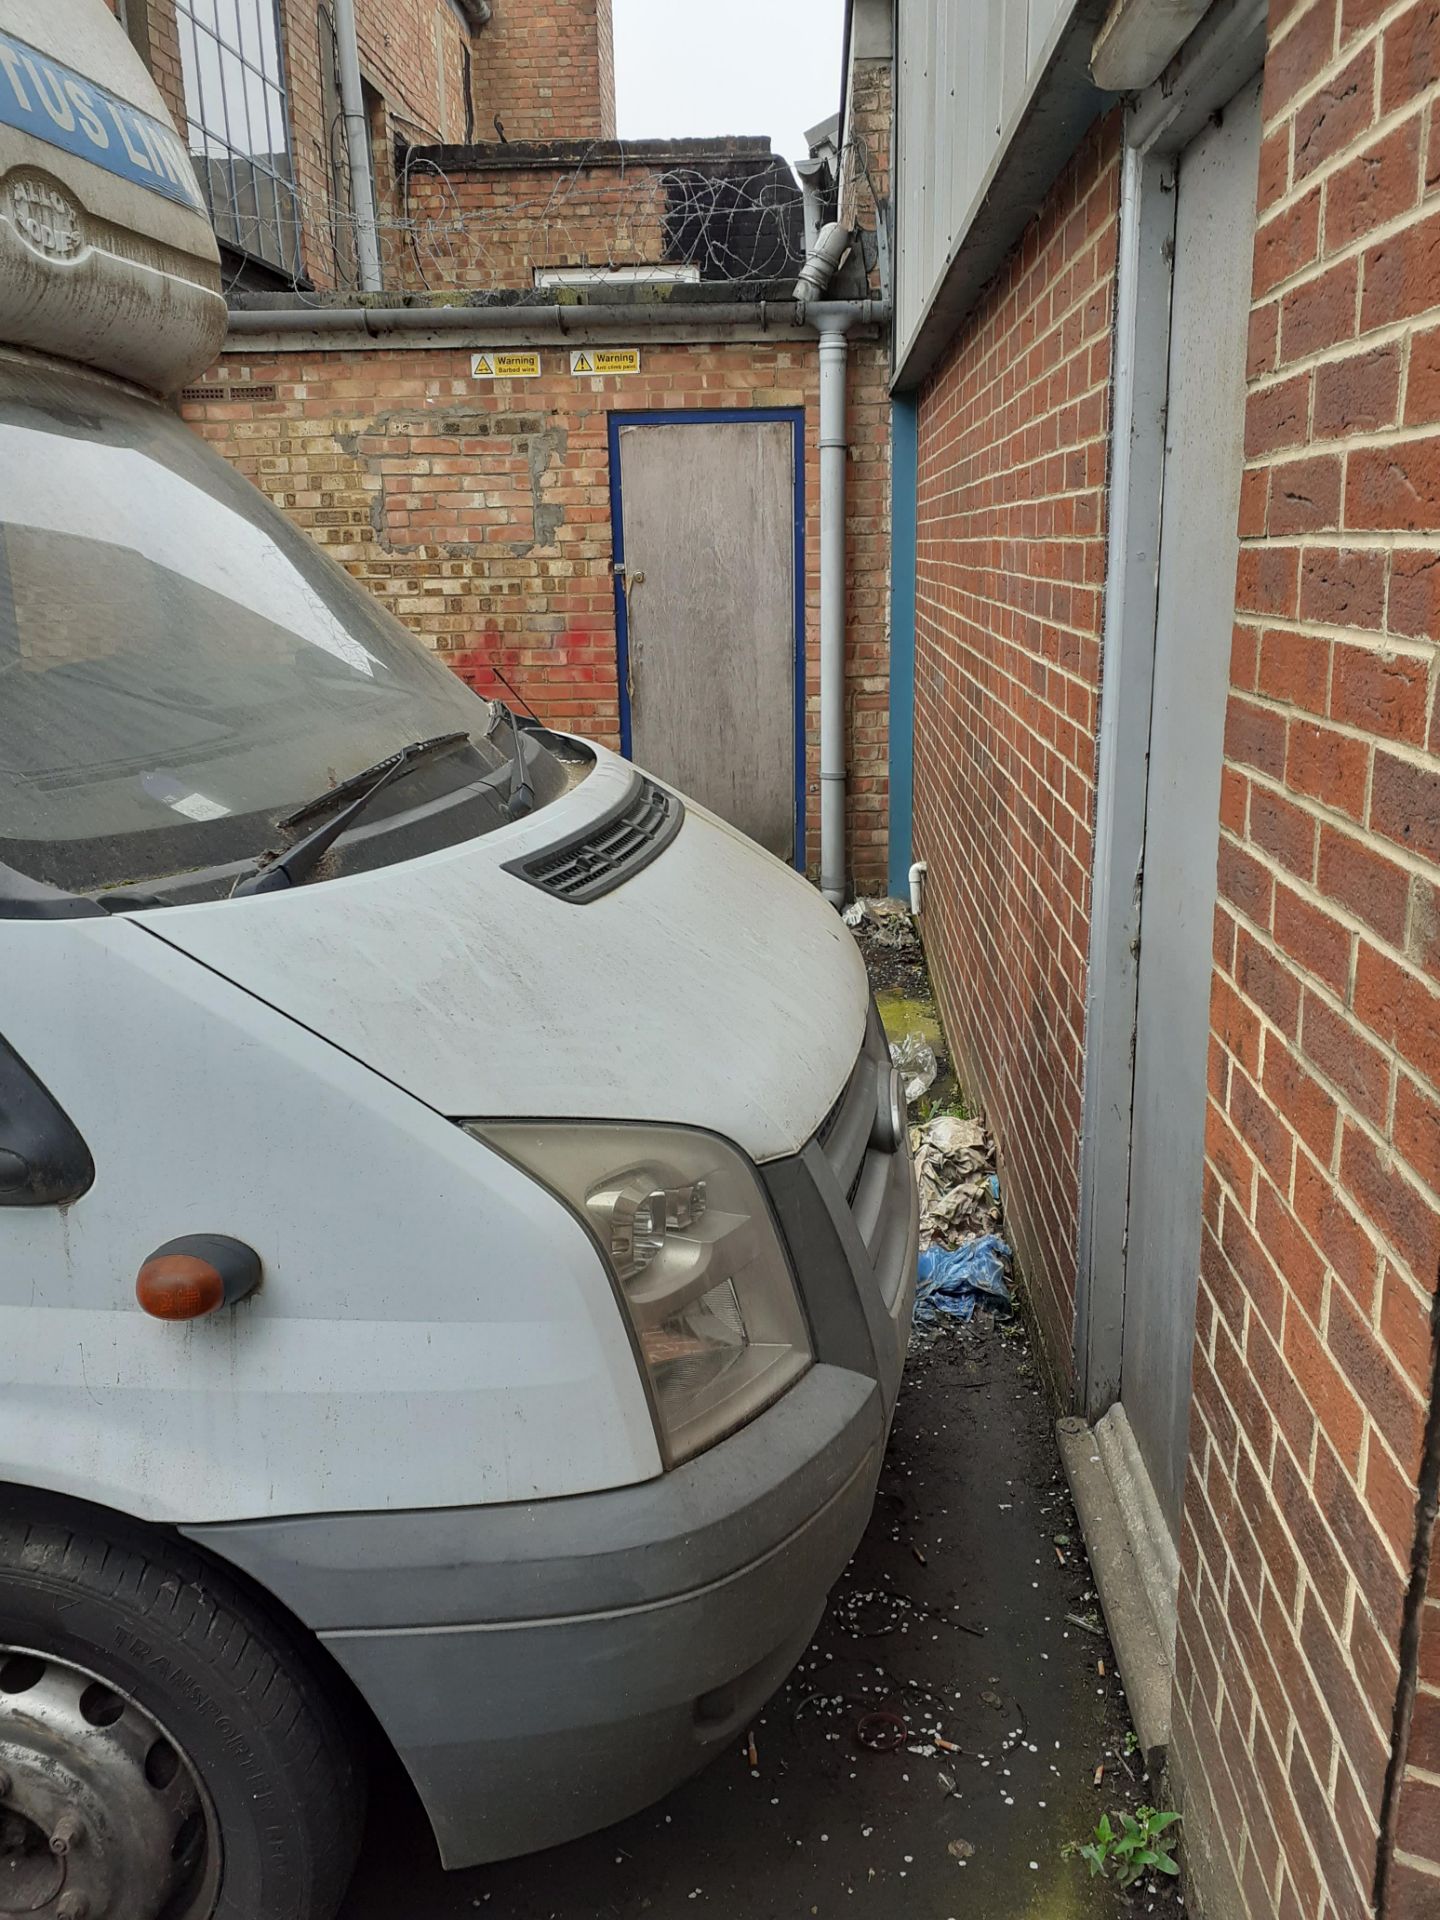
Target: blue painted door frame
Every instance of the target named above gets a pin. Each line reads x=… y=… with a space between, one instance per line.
x=699 y=417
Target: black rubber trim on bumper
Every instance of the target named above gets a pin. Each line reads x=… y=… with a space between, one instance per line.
x=859 y=1311
x=630 y=1546
x=552 y=1667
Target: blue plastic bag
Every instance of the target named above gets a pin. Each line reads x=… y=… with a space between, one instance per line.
x=954 y=1281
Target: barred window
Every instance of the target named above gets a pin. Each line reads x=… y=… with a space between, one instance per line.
x=239 y=139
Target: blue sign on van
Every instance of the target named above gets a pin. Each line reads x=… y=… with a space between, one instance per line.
x=61 y=107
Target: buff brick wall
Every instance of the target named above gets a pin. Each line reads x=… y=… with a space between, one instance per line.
x=1010 y=561
x=480 y=514
x=869 y=126
x=1315 y=1359
x=605 y=31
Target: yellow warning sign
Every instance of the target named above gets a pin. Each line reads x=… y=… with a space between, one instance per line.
x=585 y=360
x=504 y=366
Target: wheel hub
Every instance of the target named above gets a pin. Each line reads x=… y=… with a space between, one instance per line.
x=102 y=1816
x=30 y=1874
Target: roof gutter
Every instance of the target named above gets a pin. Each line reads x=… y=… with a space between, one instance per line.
x=295 y=329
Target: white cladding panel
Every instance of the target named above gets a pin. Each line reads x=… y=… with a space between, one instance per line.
x=965 y=67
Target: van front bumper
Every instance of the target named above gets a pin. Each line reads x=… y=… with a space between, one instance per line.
x=545 y=1669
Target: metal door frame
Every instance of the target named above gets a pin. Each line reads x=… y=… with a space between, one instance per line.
x=704 y=417
x=1224 y=53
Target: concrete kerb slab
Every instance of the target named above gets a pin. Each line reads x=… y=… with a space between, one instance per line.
x=1144 y=1665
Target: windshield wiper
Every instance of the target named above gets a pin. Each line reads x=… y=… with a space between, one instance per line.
x=291 y=867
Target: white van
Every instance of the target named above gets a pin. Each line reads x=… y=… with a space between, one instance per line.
x=456 y=1222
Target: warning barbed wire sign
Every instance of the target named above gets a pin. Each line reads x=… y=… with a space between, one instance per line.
x=585 y=360
x=510 y=365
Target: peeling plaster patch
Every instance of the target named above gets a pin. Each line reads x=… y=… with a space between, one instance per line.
x=541 y=449
x=524 y=435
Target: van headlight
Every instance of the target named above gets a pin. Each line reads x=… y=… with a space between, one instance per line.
x=686 y=1231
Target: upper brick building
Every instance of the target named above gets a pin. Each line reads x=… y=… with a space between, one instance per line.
x=257 y=87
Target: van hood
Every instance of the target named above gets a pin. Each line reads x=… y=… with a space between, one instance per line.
x=715 y=988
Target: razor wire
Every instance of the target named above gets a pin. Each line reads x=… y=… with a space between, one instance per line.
x=717 y=218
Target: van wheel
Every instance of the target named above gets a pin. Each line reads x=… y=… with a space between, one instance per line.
x=166 y=1753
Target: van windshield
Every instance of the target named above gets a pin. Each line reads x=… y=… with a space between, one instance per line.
x=180 y=667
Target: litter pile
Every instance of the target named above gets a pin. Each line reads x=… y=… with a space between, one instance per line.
x=919 y=1068
x=955 y=1170
x=964 y=1259
x=882 y=923
x=956 y=1282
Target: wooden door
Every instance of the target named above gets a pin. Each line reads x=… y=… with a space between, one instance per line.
x=708 y=610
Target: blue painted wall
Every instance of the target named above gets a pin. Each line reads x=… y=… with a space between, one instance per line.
x=903 y=444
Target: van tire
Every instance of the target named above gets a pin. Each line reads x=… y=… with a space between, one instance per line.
x=227 y=1682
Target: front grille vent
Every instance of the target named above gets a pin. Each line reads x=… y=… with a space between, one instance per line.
x=610 y=850
x=827 y=1125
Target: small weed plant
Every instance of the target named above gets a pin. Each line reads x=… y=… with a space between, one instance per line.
x=1134 y=1845
x=956 y=1106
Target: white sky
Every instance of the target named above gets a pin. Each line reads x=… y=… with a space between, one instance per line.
x=688 y=67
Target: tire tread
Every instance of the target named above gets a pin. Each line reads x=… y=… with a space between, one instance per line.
x=184 y=1597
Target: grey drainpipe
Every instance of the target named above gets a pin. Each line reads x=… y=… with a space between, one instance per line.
x=812 y=174
x=834 y=452
x=834 y=320
x=357 y=148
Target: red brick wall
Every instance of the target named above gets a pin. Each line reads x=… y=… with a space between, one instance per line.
x=1314 y=1361
x=411 y=54
x=418 y=74
x=151 y=25
x=492 y=226
x=488 y=216
x=1011 y=557
x=311 y=143
x=547 y=69
x=426 y=485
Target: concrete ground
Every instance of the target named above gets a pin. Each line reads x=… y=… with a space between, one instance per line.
x=958 y=1614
